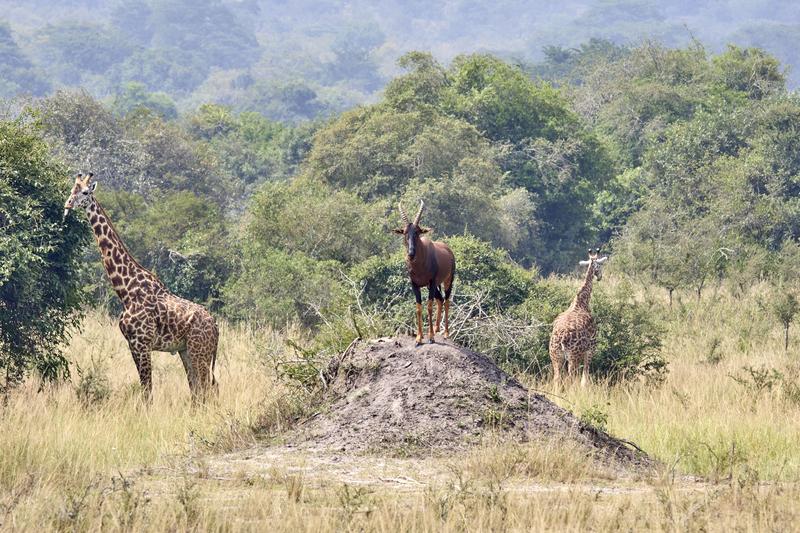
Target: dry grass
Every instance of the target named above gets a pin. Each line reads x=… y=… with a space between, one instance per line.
x=88 y=456
x=712 y=414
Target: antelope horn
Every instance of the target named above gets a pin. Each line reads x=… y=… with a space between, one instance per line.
x=403 y=213
x=419 y=213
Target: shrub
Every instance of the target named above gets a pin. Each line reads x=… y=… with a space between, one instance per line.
x=93 y=386
x=277 y=287
x=40 y=293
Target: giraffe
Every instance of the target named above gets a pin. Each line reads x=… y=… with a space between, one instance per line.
x=153 y=318
x=574 y=335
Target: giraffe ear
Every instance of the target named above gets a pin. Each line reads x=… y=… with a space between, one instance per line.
x=602 y=260
x=583 y=263
x=92 y=187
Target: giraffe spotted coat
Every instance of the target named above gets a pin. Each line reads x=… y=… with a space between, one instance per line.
x=574 y=336
x=153 y=318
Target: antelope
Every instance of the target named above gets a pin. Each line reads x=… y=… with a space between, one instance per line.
x=430 y=264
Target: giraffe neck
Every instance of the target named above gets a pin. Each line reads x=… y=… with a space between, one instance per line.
x=129 y=279
x=581 y=300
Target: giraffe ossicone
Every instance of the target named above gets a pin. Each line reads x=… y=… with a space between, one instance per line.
x=574 y=336
x=153 y=318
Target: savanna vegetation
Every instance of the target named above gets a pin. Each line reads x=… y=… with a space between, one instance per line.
x=271 y=200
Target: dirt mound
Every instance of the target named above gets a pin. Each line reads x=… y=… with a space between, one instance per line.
x=388 y=395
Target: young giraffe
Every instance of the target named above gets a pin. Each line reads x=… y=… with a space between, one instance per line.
x=153 y=319
x=574 y=335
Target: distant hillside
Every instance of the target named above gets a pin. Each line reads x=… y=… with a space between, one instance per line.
x=296 y=60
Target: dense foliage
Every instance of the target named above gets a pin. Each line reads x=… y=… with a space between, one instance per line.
x=295 y=60
x=40 y=289
x=680 y=162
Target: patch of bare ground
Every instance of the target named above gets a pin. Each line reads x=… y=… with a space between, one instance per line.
x=390 y=397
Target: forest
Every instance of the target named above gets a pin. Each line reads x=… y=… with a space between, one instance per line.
x=255 y=163
x=684 y=171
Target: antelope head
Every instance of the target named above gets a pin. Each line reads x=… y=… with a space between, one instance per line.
x=411 y=231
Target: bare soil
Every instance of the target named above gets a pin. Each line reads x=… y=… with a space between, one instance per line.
x=389 y=397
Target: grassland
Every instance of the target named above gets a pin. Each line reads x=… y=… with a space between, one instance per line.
x=88 y=455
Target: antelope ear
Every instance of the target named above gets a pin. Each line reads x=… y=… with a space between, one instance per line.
x=399 y=231
x=602 y=260
x=424 y=230
x=583 y=263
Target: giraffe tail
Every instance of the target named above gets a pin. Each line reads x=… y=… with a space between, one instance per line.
x=213 y=367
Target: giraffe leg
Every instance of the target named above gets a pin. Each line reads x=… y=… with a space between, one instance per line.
x=201 y=352
x=587 y=357
x=556 y=355
x=139 y=334
x=141 y=358
x=191 y=371
x=572 y=364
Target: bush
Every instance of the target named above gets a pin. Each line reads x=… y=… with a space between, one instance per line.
x=40 y=293
x=344 y=227
x=277 y=287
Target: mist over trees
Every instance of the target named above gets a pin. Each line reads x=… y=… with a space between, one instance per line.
x=297 y=60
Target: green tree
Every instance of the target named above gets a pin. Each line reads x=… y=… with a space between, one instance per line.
x=785 y=307
x=134 y=96
x=40 y=291
x=17 y=74
x=72 y=49
x=310 y=217
x=207 y=29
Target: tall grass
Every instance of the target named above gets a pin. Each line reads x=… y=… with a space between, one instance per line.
x=87 y=455
x=716 y=410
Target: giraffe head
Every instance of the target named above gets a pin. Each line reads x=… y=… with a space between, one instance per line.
x=411 y=231
x=81 y=194
x=595 y=263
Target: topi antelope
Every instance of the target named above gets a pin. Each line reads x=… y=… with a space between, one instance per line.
x=430 y=264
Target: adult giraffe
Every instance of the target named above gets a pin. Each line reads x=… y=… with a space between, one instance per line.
x=574 y=335
x=153 y=319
